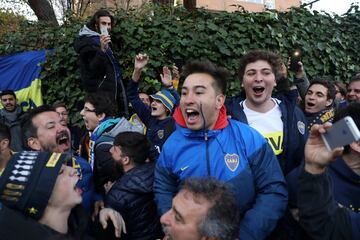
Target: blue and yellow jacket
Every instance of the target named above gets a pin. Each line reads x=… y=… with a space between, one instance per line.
x=233 y=153
x=157 y=130
x=295 y=131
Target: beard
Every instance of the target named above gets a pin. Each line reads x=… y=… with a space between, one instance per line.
x=119 y=167
x=166 y=232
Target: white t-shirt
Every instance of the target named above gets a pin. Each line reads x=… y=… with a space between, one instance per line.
x=268 y=124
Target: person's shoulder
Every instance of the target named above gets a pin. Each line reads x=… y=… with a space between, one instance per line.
x=240 y=126
x=14 y=225
x=244 y=132
x=138 y=179
x=84 y=42
x=178 y=133
x=142 y=170
x=231 y=102
x=176 y=139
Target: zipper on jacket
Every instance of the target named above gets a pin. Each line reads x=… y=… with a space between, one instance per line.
x=125 y=104
x=207 y=153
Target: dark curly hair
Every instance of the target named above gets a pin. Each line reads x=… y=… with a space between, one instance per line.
x=102 y=103
x=252 y=56
x=95 y=19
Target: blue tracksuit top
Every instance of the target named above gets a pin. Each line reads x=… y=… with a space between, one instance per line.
x=295 y=128
x=239 y=156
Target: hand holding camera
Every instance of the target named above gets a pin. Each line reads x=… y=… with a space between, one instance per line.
x=295 y=61
x=326 y=142
x=104 y=38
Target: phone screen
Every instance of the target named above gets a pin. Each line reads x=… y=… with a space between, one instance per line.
x=295 y=58
x=104 y=30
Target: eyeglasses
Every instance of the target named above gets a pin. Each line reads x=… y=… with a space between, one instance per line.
x=85 y=109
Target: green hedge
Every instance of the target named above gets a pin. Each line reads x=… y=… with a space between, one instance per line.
x=330 y=44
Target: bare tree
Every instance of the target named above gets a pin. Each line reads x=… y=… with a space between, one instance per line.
x=43 y=10
x=122 y=4
x=190 y=4
x=79 y=7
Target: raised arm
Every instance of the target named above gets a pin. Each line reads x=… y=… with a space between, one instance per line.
x=141 y=60
x=301 y=81
x=319 y=214
x=141 y=109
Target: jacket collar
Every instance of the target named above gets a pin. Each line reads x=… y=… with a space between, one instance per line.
x=221 y=122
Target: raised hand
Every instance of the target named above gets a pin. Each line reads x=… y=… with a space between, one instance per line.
x=98 y=205
x=104 y=42
x=140 y=62
x=175 y=72
x=166 y=78
x=115 y=217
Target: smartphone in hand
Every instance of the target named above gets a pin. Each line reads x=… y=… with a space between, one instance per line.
x=104 y=30
x=295 y=58
x=179 y=62
x=341 y=133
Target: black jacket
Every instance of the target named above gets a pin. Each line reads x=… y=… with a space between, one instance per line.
x=132 y=196
x=98 y=70
x=319 y=214
x=14 y=225
x=12 y=120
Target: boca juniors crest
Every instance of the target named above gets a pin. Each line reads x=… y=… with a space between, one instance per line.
x=232 y=161
x=160 y=133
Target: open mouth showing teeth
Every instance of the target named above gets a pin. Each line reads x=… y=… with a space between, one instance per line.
x=258 y=89
x=310 y=104
x=63 y=139
x=191 y=114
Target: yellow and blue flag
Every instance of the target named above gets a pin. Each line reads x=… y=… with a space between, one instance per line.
x=20 y=73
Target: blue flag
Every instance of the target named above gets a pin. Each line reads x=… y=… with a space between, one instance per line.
x=20 y=73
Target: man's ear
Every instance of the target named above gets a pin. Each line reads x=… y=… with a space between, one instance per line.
x=125 y=160
x=101 y=116
x=329 y=102
x=4 y=144
x=220 y=100
x=34 y=143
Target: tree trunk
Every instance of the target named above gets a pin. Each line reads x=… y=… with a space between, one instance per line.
x=190 y=4
x=43 y=11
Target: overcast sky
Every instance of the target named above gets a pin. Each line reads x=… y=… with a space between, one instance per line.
x=331 y=6
x=337 y=6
